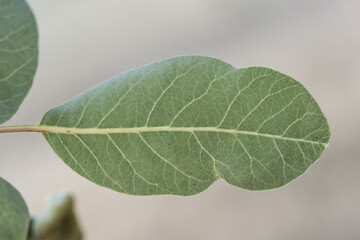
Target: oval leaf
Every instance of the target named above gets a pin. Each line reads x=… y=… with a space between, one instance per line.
x=175 y=126
x=14 y=215
x=18 y=55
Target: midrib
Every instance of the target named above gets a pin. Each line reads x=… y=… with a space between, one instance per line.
x=78 y=131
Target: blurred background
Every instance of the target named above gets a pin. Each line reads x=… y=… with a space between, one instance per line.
x=84 y=42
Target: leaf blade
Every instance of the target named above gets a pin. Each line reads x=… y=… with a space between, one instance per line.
x=18 y=55
x=14 y=215
x=175 y=126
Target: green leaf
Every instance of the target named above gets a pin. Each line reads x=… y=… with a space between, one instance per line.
x=14 y=215
x=177 y=125
x=58 y=220
x=18 y=55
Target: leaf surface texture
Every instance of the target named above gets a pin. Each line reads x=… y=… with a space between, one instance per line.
x=18 y=55
x=177 y=125
x=14 y=215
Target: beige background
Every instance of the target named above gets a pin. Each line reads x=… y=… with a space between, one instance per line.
x=83 y=42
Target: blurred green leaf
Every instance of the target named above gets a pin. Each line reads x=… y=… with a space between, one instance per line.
x=177 y=125
x=14 y=215
x=58 y=220
x=18 y=55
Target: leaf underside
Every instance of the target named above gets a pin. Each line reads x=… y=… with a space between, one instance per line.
x=14 y=215
x=177 y=125
x=18 y=55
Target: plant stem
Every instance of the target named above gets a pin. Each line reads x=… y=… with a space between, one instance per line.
x=23 y=128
